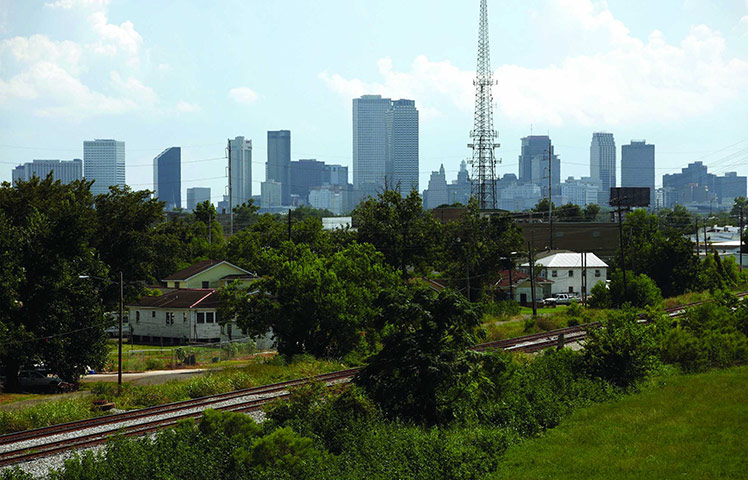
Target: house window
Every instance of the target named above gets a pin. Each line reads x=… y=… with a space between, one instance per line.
x=206 y=284
x=176 y=284
x=184 y=317
x=554 y=273
x=210 y=317
x=200 y=317
x=137 y=316
x=597 y=273
x=571 y=273
x=153 y=314
x=571 y=289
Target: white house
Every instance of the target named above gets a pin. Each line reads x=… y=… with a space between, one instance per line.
x=566 y=271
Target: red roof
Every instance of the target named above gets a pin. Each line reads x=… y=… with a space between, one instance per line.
x=182 y=298
x=517 y=278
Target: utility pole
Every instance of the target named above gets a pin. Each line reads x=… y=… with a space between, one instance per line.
x=119 y=353
x=706 y=245
x=289 y=224
x=210 y=226
x=741 y=239
x=584 y=277
x=231 y=197
x=532 y=278
x=620 y=234
x=698 y=244
x=550 y=196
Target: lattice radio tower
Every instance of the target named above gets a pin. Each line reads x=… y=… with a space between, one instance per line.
x=484 y=136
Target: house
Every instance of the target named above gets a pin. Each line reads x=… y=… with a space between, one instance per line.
x=565 y=269
x=187 y=309
x=209 y=274
x=521 y=286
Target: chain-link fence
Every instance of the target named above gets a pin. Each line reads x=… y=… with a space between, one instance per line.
x=138 y=359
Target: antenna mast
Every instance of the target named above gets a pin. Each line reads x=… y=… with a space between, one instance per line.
x=484 y=160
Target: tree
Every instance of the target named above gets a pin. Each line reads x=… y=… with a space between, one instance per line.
x=425 y=366
x=590 y=212
x=125 y=237
x=313 y=304
x=207 y=224
x=47 y=313
x=663 y=254
x=542 y=206
x=245 y=215
x=475 y=248
x=569 y=213
x=641 y=291
x=740 y=205
x=400 y=228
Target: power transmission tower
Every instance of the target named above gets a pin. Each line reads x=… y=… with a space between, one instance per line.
x=484 y=161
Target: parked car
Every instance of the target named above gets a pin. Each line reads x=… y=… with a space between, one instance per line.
x=113 y=331
x=37 y=380
x=559 y=299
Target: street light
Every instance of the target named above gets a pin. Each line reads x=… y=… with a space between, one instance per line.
x=121 y=301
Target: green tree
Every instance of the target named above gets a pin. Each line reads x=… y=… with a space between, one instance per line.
x=313 y=304
x=591 y=212
x=740 y=205
x=622 y=352
x=47 y=313
x=425 y=367
x=542 y=206
x=569 y=213
x=245 y=215
x=663 y=254
x=641 y=291
x=125 y=238
x=206 y=222
x=400 y=228
x=476 y=249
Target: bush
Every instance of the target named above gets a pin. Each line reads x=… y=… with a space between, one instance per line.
x=600 y=296
x=622 y=351
x=503 y=308
x=641 y=291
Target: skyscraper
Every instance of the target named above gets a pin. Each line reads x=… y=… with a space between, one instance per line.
x=401 y=146
x=104 y=162
x=197 y=195
x=241 y=170
x=278 y=166
x=533 y=162
x=306 y=174
x=603 y=164
x=65 y=171
x=369 y=143
x=437 y=192
x=638 y=167
x=167 y=177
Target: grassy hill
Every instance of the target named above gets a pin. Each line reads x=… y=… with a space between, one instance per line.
x=689 y=426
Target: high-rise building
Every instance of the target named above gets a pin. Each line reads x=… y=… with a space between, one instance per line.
x=730 y=186
x=695 y=185
x=271 y=193
x=241 y=171
x=369 y=143
x=533 y=162
x=336 y=174
x=278 y=166
x=306 y=174
x=196 y=195
x=603 y=164
x=65 y=171
x=167 y=177
x=437 y=193
x=104 y=162
x=638 y=167
x=401 y=146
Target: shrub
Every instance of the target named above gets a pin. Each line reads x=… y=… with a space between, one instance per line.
x=682 y=347
x=622 y=351
x=640 y=291
x=600 y=296
x=503 y=308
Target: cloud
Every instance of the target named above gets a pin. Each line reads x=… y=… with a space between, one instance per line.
x=626 y=80
x=185 y=107
x=45 y=76
x=744 y=24
x=115 y=38
x=243 y=95
x=68 y=4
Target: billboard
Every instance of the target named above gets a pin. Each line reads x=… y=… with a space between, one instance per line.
x=629 y=196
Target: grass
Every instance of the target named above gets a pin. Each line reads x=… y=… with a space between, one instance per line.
x=688 y=426
x=6 y=398
x=260 y=371
x=43 y=414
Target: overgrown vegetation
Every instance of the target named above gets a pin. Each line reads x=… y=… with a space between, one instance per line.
x=456 y=422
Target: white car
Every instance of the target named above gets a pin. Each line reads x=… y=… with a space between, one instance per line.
x=559 y=299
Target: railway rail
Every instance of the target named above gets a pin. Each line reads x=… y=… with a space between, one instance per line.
x=55 y=439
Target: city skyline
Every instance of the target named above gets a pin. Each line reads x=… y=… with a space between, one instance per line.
x=116 y=76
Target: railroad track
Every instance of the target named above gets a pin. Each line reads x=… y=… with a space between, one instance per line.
x=25 y=446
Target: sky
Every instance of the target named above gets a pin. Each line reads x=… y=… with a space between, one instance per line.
x=164 y=73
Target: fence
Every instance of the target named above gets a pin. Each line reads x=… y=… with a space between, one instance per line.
x=186 y=355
